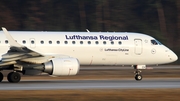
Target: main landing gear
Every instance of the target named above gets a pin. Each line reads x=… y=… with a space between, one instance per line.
x=12 y=77
x=1 y=76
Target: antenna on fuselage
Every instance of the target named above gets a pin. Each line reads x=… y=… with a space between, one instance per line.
x=87 y=30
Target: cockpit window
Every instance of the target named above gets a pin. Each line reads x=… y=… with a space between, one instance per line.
x=155 y=42
x=158 y=42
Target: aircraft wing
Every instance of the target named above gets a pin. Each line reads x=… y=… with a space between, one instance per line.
x=20 y=53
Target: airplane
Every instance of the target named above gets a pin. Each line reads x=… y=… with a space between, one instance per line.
x=62 y=53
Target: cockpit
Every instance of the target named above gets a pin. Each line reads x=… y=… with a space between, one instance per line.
x=155 y=42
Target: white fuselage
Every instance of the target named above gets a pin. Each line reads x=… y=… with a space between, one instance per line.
x=94 y=48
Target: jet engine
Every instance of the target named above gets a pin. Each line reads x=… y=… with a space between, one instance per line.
x=62 y=66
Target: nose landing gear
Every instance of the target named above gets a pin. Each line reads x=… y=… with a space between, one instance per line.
x=138 y=75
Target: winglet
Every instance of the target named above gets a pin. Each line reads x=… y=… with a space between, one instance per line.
x=12 y=42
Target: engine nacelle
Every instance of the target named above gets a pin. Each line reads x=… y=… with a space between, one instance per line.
x=62 y=66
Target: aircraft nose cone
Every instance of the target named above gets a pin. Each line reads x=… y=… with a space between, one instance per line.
x=174 y=57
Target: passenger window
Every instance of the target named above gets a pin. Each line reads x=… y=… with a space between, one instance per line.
x=120 y=42
x=73 y=42
x=50 y=42
x=104 y=42
x=89 y=42
x=66 y=42
x=81 y=42
x=6 y=41
x=153 y=42
x=58 y=42
x=42 y=42
x=32 y=41
x=97 y=42
x=24 y=42
x=112 y=42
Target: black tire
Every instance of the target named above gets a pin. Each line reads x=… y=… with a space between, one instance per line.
x=138 y=77
x=9 y=76
x=1 y=77
x=14 y=77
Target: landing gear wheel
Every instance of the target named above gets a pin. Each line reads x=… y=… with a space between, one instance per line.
x=14 y=77
x=138 y=77
x=1 y=77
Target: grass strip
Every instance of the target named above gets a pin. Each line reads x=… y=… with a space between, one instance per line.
x=92 y=95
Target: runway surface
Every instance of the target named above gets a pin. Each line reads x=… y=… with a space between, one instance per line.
x=127 y=67
x=91 y=84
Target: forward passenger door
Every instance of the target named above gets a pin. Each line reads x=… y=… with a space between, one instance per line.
x=138 y=46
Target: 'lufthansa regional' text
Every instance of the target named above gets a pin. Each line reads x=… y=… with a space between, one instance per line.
x=101 y=37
